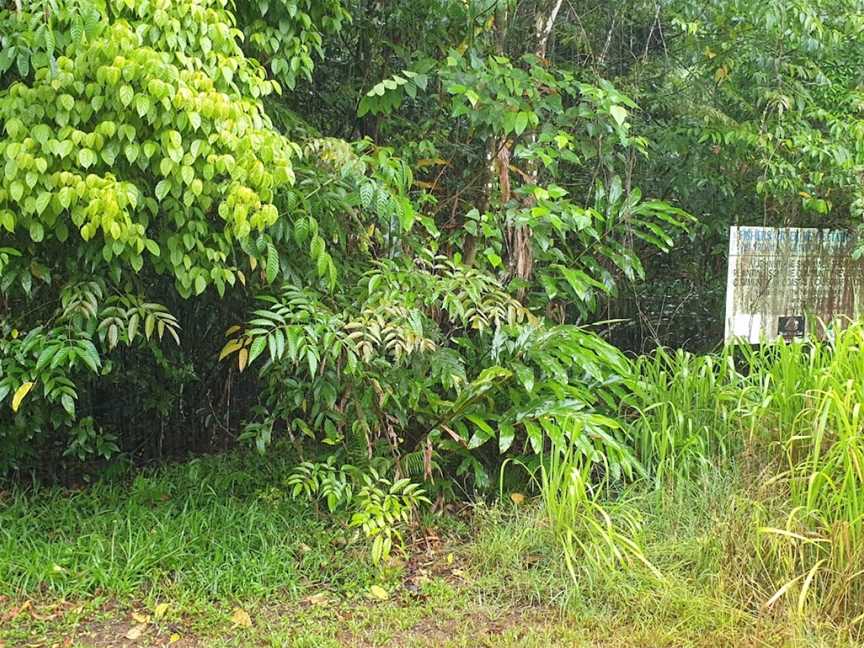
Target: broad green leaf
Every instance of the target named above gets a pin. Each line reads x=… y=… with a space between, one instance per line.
x=163 y=187
x=506 y=434
x=256 y=348
x=37 y=231
x=126 y=94
x=520 y=122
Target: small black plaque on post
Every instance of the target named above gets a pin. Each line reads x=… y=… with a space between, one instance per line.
x=791 y=326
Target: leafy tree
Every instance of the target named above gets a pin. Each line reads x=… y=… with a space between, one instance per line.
x=415 y=294
x=135 y=151
x=410 y=363
x=285 y=35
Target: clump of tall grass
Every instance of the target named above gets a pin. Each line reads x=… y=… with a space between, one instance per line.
x=795 y=407
x=683 y=411
x=809 y=413
x=592 y=536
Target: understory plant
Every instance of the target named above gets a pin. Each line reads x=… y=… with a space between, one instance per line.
x=682 y=412
x=158 y=186
x=380 y=507
x=139 y=170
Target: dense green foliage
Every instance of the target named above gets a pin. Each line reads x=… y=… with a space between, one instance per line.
x=426 y=257
x=156 y=185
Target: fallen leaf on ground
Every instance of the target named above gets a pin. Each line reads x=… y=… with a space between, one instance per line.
x=135 y=632
x=141 y=618
x=240 y=617
x=14 y=612
x=174 y=638
x=160 y=610
x=317 y=599
x=45 y=617
x=518 y=498
x=379 y=593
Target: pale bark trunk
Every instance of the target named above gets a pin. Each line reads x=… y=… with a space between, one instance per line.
x=544 y=26
x=521 y=261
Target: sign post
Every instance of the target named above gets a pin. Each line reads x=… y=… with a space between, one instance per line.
x=784 y=281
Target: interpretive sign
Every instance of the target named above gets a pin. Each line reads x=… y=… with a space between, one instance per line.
x=784 y=280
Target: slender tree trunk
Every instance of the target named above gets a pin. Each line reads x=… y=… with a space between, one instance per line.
x=544 y=25
x=521 y=260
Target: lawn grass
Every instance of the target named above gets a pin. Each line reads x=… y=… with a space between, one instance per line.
x=214 y=528
x=193 y=543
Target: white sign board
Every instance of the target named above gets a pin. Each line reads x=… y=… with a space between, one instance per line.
x=784 y=281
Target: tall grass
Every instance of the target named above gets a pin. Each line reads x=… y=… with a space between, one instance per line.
x=809 y=412
x=794 y=408
x=592 y=536
x=684 y=412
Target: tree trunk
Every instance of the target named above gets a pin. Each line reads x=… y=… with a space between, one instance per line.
x=521 y=259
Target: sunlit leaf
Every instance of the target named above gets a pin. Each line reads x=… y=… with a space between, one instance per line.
x=20 y=393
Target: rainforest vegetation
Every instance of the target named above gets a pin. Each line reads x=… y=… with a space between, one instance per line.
x=353 y=322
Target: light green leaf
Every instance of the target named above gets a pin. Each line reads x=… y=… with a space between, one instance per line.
x=162 y=188
x=272 y=268
x=619 y=114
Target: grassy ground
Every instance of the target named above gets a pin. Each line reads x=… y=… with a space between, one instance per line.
x=209 y=553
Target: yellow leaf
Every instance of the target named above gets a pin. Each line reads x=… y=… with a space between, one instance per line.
x=379 y=593
x=253 y=263
x=242 y=357
x=135 y=632
x=241 y=618
x=20 y=393
x=174 y=638
x=230 y=347
x=518 y=498
x=317 y=599
x=141 y=618
x=15 y=612
x=450 y=558
x=160 y=610
x=231 y=330
x=424 y=162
